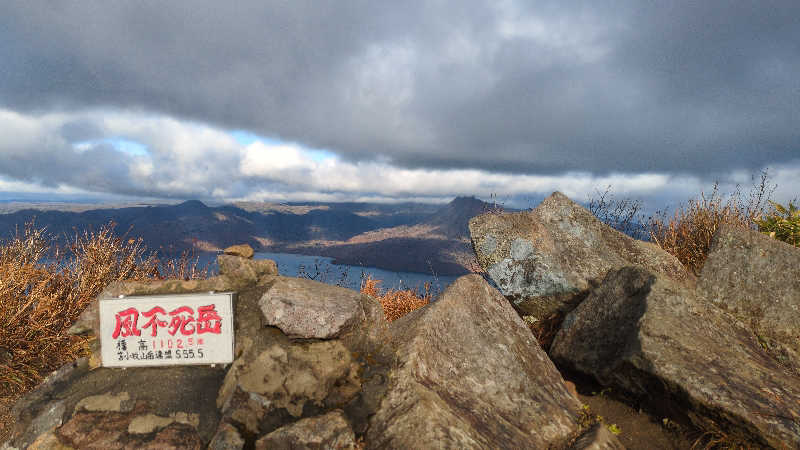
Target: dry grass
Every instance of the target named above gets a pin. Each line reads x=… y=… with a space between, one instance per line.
x=688 y=233
x=619 y=214
x=44 y=288
x=396 y=303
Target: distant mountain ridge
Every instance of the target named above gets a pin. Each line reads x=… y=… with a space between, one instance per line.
x=405 y=237
x=453 y=220
x=438 y=244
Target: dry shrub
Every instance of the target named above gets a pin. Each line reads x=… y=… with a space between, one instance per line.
x=688 y=234
x=396 y=303
x=622 y=215
x=184 y=267
x=43 y=290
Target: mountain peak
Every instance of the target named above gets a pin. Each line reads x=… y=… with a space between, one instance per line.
x=192 y=204
x=452 y=219
x=466 y=202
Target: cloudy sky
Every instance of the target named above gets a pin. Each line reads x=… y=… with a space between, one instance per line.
x=384 y=101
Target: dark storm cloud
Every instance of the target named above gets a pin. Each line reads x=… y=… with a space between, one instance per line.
x=98 y=168
x=535 y=88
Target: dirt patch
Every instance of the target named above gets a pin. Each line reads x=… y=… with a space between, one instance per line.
x=637 y=429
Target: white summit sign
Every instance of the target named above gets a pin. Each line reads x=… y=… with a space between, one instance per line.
x=165 y=330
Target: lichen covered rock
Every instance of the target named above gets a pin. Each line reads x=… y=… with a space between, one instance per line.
x=548 y=259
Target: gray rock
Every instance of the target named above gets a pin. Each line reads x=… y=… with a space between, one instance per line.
x=50 y=417
x=226 y=438
x=290 y=376
x=655 y=339
x=328 y=431
x=469 y=374
x=275 y=380
x=120 y=402
x=548 y=259
x=306 y=309
x=241 y=250
x=757 y=279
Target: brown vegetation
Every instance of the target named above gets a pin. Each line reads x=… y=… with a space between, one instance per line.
x=396 y=303
x=688 y=233
x=43 y=290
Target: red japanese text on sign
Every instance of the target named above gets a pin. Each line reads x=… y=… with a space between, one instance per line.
x=181 y=320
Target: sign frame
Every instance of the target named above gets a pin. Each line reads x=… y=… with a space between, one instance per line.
x=197 y=327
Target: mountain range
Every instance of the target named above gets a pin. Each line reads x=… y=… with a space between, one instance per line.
x=411 y=237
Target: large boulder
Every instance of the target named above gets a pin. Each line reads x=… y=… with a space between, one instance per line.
x=302 y=308
x=657 y=340
x=757 y=279
x=469 y=374
x=280 y=377
x=548 y=259
x=324 y=339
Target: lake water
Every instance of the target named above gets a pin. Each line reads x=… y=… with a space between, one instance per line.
x=322 y=269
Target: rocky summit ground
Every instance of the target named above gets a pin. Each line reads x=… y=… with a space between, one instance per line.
x=589 y=340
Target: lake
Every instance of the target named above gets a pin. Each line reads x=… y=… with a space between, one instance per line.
x=322 y=269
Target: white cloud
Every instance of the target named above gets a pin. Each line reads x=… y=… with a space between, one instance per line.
x=274 y=161
x=185 y=159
